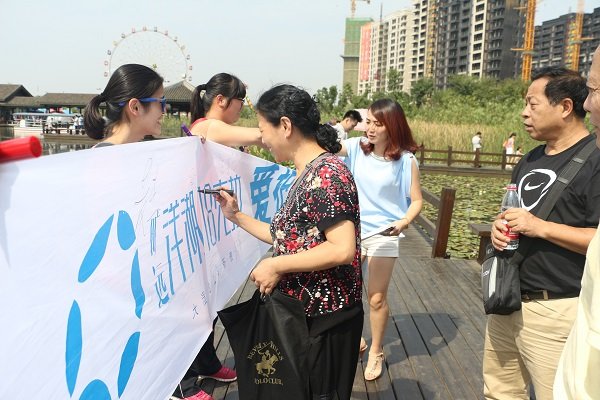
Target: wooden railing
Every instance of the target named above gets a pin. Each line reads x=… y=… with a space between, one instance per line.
x=439 y=230
x=483 y=231
x=476 y=158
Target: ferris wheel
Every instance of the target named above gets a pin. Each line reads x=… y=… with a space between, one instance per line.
x=153 y=48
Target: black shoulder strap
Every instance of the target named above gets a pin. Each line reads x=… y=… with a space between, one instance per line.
x=566 y=176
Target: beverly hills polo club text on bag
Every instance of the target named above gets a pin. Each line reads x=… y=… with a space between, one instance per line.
x=269 y=338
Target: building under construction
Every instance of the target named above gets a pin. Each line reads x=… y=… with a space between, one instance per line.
x=554 y=40
x=352 y=51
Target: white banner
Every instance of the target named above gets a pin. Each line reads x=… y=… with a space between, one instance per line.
x=113 y=265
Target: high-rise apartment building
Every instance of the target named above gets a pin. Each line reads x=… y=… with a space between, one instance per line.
x=385 y=46
x=553 y=37
x=423 y=39
x=440 y=38
x=352 y=51
x=475 y=37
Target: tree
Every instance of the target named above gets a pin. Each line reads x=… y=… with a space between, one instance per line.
x=463 y=84
x=360 y=101
x=421 y=90
x=345 y=99
x=326 y=99
x=378 y=95
x=394 y=80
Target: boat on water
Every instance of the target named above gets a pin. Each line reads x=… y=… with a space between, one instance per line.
x=40 y=124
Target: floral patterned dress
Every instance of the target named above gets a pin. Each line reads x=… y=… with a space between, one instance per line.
x=324 y=195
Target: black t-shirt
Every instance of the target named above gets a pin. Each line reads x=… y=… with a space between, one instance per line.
x=546 y=265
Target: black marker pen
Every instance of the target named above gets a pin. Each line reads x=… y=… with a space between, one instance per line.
x=215 y=191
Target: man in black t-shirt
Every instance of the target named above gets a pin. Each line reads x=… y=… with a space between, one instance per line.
x=524 y=348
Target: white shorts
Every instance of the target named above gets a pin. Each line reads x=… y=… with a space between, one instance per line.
x=380 y=246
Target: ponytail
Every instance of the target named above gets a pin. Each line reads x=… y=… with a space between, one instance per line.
x=224 y=84
x=327 y=138
x=197 y=110
x=92 y=119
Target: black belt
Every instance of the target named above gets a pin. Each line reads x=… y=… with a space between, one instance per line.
x=543 y=295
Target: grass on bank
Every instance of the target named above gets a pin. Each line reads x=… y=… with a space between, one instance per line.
x=434 y=135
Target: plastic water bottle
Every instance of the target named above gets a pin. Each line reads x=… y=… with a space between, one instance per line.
x=510 y=200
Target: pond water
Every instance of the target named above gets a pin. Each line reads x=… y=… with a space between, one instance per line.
x=51 y=145
x=477 y=201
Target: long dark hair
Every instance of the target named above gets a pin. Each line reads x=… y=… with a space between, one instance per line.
x=227 y=85
x=127 y=82
x=296 y=104
x=391 y=115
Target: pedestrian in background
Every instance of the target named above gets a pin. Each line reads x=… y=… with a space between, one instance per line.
x=348 y=123
x=509 y=147
x=476 y=142
x=477 y=145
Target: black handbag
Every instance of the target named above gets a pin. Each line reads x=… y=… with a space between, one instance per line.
x=269 y=338
x=500 y=280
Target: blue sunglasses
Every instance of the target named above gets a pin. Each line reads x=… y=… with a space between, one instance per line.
x=162 y=101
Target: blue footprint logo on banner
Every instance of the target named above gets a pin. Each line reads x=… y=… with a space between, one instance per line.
x=97 y=389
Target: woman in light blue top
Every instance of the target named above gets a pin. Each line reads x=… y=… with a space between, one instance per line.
x=389 y=192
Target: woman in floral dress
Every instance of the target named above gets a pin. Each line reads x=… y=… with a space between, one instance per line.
x=315 y=237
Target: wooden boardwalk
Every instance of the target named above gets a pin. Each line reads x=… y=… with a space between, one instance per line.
x=434 y=338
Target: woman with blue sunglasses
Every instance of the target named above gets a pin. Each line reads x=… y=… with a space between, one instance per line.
x=135 y=103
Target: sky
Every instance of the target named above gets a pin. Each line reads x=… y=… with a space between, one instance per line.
x=62 y=46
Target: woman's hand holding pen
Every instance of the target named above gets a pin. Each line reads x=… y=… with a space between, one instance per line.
x=229 y=205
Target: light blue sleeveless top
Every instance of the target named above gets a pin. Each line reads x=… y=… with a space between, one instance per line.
x=383 y=186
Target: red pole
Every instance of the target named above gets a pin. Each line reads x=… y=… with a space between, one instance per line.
x=18 y=149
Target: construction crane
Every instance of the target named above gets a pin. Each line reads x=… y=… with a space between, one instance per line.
x=353 y=7
x=527 y=49
x=574 y=31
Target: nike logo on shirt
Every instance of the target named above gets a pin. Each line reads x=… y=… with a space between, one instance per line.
x=532 y=187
